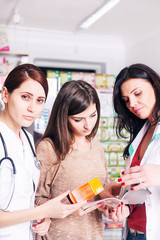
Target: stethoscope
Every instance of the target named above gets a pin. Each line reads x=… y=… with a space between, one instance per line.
x=6 y=157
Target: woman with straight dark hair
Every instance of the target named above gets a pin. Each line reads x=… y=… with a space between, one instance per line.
x=69 y=143
x=136 y=98
x=24 y=94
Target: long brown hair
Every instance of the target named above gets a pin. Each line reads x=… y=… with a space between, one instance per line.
x=73 y=98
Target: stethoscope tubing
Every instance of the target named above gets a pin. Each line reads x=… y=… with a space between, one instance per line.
x=13 y=165
x=34 y=154
x=6 y=157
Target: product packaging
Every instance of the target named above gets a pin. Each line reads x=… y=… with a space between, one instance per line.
x=86 y=191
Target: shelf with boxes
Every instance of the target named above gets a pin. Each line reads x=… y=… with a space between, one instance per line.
x=99 y=81
x=10 y=60
x=113 y=147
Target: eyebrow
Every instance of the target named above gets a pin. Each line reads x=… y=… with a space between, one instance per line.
x=131 y=91
x=32 y=94
x=83 y=117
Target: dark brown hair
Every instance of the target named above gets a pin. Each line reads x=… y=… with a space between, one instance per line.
x=73 y=98
x=125 y=118
x=21 y=73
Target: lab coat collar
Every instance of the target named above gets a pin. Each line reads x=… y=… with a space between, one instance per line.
x=134 y=145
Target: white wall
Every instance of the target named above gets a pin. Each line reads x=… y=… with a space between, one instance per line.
x=111 y=51
x=146 y=52
x=39 y=43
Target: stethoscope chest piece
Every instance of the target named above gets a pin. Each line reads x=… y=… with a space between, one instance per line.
x=37 y=163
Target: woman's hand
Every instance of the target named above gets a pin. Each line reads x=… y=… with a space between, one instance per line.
x=42 y=226
x=141 y=176
x=110 y=190
x=82 y=212
x=54 y=208
x=117 y=214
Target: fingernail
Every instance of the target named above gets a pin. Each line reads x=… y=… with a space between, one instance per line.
x=123 y=183
x=106 y=207
x=119 y=205
x=113 y=210
x=99 y=203
x=101 y=206
x=132 y=189
x=88 y=201
x=122 y=203
x=119 y=179
x=123 y=173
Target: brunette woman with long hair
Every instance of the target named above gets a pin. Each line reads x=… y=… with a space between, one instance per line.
x=72 y=157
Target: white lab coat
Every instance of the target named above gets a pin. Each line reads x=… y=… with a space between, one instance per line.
x=26 y=177
x=151 y=156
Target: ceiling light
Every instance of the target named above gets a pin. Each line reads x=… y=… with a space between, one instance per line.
x=98 y=14
x=17 y=19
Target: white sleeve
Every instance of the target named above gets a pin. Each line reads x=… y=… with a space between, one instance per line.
x=7 y=183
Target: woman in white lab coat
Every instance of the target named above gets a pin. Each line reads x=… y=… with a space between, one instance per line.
x=24 y=94
x=137 y=104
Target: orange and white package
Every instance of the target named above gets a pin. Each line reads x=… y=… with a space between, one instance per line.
x=86 y=191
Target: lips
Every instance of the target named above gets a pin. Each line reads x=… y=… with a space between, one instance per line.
x=87 y=131
x=137 y=111
x=28 y=118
